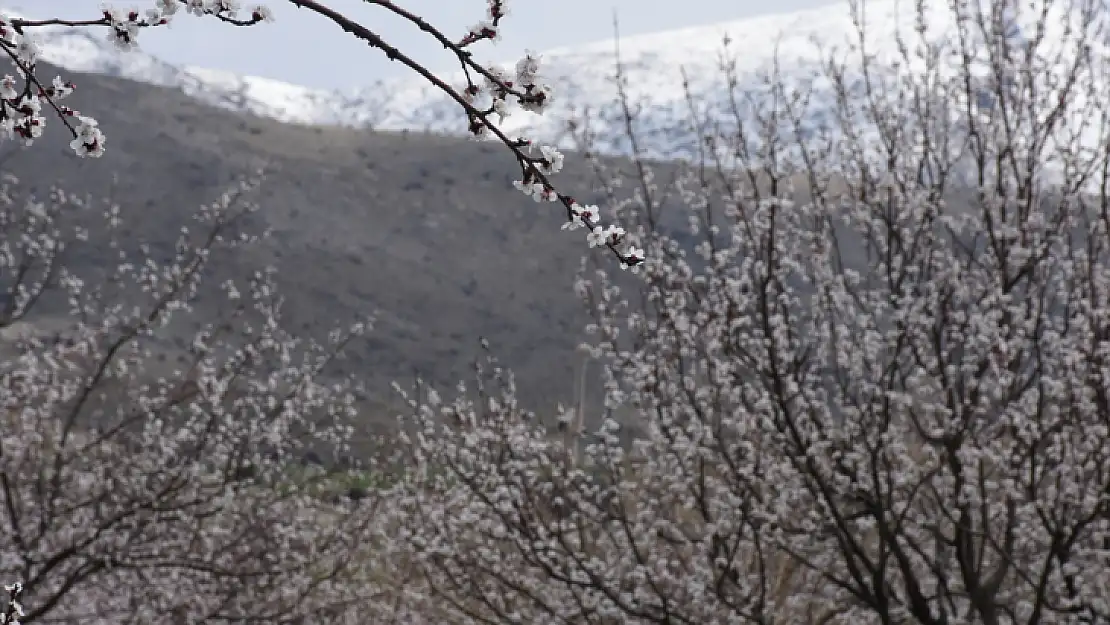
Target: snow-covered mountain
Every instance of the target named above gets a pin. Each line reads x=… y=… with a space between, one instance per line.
x=88 y=50
x=582 y=76
x=654 y=66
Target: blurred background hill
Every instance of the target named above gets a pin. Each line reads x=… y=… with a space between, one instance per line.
x=425 y=232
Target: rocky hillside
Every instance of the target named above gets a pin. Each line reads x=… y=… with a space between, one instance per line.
x=425 y=230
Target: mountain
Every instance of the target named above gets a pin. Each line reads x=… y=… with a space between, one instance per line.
x=88 y=50
x=654 y=66
x=582 y=76
x=426 y=232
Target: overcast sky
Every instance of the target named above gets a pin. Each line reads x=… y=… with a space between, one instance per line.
x=304 y=48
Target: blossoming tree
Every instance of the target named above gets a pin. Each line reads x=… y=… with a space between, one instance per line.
x=136 y=488
x=875 y=391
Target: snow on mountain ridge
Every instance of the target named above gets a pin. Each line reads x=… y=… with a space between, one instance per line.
x=79 y=50
x=88 y=50
x=581 y=76
x=653 y=66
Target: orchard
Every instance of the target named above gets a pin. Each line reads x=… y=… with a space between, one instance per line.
x=870 y=384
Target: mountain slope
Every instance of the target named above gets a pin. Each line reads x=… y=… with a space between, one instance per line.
x=425 y=231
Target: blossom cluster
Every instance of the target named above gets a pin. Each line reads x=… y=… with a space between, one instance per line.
x=527 y=90
x=13 y=609
x=488 y=28
x=21 y=106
